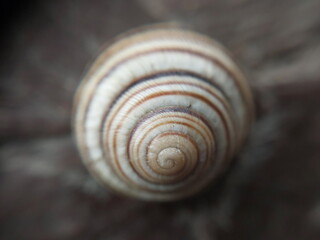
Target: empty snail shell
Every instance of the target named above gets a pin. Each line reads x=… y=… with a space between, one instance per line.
x=160 y=113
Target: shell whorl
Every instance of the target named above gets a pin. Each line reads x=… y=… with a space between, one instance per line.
x=160 y=113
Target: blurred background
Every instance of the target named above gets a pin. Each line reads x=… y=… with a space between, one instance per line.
x=271 y=192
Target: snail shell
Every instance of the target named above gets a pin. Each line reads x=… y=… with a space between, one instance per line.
x=160 y=113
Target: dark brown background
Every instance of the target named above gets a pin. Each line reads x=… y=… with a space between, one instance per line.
x=271 y=192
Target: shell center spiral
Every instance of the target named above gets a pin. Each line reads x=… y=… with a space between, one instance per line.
x=172 y=154
x=170 y=157
x=168 y=146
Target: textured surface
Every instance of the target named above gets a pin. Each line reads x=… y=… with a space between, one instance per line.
x=271 y=193
x=160 y=114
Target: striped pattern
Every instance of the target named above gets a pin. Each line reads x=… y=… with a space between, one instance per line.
x=160 y=113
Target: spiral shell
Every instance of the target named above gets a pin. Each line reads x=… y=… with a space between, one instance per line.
x=160 y=113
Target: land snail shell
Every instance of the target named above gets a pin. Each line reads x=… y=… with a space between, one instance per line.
x=160 y=113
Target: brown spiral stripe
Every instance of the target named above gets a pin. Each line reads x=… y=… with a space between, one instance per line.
x=160 y=113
